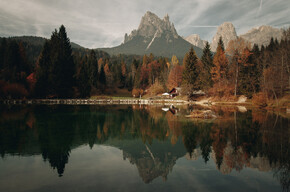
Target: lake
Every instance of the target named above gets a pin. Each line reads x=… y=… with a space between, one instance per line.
x=142 y=148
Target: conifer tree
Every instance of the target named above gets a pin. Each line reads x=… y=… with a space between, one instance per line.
x=93 y=68
x=102 y=78
x=84 y=85
x=190 y=72
x=207 y=64
x=42 y=86
x=220 y=64
x=221 y=43
x=56 y=67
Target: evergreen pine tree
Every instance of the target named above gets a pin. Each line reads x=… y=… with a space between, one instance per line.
x=84 y=85
x=67 y=67
x=93 y=68
x=221 y=43
x=190 y=72
x=56 y=67
x=42 y=86
x=207 y=61
x=102 y=78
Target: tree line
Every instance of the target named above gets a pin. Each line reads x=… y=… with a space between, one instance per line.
x=61 y=72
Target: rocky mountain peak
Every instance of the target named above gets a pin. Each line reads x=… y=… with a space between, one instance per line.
x=152 y=26
x=262 y=35
x=195 y=40
x=227 y=31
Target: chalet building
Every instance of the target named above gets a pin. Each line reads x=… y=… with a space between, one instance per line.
x=175 y=92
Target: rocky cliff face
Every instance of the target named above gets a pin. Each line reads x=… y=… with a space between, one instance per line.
x=262 y=35
x=154 y=35
x=227 y=31
x=152 y=27
x=195 y=40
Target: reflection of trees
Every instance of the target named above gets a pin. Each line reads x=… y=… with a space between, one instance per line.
x=253 y=139
x=56 y=134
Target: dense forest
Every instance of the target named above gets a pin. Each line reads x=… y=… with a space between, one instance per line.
x=56 y=70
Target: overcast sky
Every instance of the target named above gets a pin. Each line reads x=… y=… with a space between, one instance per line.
x=103 y=23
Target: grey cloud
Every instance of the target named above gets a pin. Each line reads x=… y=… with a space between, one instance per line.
x=103 y=23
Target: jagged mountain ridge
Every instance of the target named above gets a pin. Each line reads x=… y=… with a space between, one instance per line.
x=154 y=35
x=261 y=36
x=195 y=40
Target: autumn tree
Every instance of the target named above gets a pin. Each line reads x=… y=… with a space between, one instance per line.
x=175 y=77
x=174 y=61
x=154 y=70
x=220 y=67
x=238 y=45
x=109 y=75
x=146 y=60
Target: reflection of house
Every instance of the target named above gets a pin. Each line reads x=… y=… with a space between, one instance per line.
x=172 y=109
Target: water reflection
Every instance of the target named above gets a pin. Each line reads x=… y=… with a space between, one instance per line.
x=152 y=139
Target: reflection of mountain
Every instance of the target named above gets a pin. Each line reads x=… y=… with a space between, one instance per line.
x=149 y=138
x=152 y=160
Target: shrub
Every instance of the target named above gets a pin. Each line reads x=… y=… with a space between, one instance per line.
x=16 y=91
x=260 y=99
x=156 y=89
x=137 y=92
x=222 y=91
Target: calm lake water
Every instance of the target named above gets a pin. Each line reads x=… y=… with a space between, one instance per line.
x=142 y=148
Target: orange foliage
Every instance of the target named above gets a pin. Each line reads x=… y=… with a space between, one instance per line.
x=259 y=116
x=124 y=70
x=219 y=70
x=260 y=99
x=175 y=77
x=222 y=90
x=238 y=44
x=13 y=90
x=137 y=92
x=156 y=88
x=31 y=80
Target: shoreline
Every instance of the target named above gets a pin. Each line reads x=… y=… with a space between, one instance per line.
x=133 y=101
x=110 y=101
x=93 y=102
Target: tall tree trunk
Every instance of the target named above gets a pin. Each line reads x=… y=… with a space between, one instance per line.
x=236 y=83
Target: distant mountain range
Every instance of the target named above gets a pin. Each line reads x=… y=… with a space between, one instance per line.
x=260 y=36
x=159 y=36
x=39 y=41
x=154 y=35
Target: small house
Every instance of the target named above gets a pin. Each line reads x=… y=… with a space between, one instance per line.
x=175 y=92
